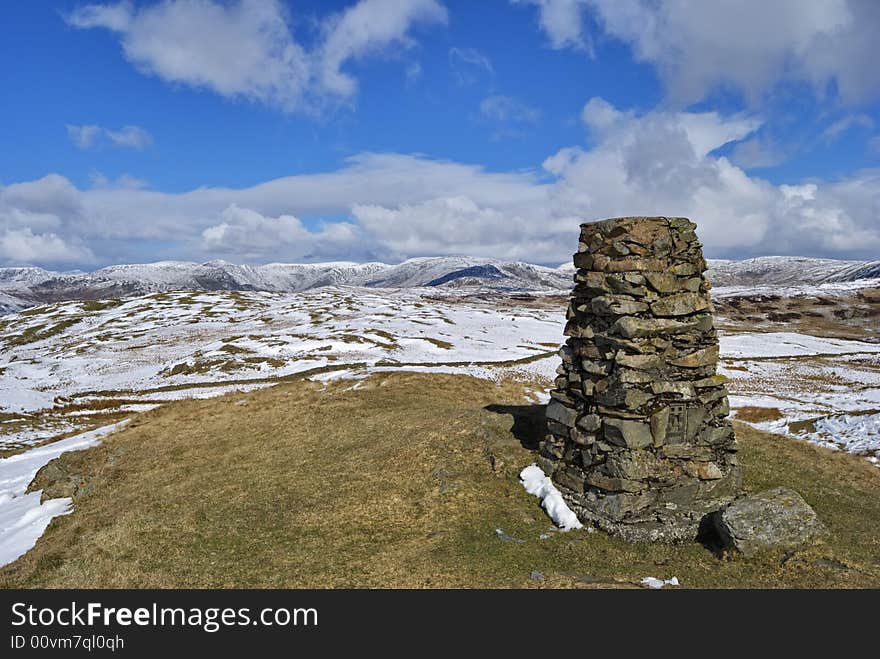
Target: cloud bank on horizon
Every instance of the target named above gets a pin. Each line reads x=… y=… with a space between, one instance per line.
x=730 y=77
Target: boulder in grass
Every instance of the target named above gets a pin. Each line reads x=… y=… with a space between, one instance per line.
x=772 y=519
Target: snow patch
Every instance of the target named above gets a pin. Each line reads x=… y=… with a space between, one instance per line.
x=538 y=484
x=655 y=583
x=23 y=519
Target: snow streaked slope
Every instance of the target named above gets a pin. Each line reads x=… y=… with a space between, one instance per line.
x=35 y=286
x=169 y=340
x=788 y=271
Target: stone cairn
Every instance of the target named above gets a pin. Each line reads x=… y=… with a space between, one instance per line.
x=638 y=440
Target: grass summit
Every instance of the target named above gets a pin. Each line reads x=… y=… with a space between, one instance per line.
x=398 y=480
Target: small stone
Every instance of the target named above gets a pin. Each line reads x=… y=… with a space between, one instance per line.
x=684 y=389
x=630 y=327
x=590 y=422
x=570 y=478
x=685 y=269
x=702 y=357
x=644 y=362
x=582 y=438
x=595 y=367
x=634 y=398
x=706 y=471
x=559 y=412
x=663 y=282
x=627 y=433
x=658 y=424
x=681 y=304
x=610 y=484
x=772 y=519
x=631 y=264
x=535 y=575
x=617 y=305
x=713 y=381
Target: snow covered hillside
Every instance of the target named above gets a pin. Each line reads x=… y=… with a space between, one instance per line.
x=23 y=287
x=789 y=271
x=75 y=367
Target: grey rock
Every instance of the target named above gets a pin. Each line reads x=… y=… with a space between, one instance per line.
x=663 y=282
x=680 y=304
x=504 y=537
x=630 y=327
x=630 y=434
x=590 y=422
x=617 y=305
x=559 y=412
x=772 y=519
x=702 y=357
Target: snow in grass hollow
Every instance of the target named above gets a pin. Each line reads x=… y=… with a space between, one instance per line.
x=538 y=484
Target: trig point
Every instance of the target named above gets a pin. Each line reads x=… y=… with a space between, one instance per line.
x=638 y=437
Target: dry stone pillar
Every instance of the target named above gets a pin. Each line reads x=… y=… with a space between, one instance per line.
x=638 y=437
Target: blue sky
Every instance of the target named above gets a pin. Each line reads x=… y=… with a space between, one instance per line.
x=264 y=130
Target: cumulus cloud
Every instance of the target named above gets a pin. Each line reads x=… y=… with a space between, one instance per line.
x=397 y=206
x=38 y=224
x=247 y=49
x=749 y=45
x=88 y=136
x=247 y=234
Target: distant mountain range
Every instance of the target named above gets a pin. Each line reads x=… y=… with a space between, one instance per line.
x=23 y=287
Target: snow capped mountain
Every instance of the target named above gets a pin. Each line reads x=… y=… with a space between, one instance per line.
x=22 y=287
x=788 y=271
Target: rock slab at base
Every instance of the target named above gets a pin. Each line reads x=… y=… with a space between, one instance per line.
x=772 y=519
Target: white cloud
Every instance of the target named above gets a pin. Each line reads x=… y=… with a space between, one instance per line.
x=562 y=22
x=88 y=136
x=367 y=27
x=133 y=137
x=246 y=48
x=250 y=235
x=123 y=181
x=467 y=64
x=22 y=246
x=660 y=162
x=756 y=153
x=84 y=137
x=38 y=223
x=842 y=125
x=509 y=117
x=748 y=45
x=458 y=225
x=500 y=108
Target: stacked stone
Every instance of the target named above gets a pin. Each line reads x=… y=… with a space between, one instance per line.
x=638 y=440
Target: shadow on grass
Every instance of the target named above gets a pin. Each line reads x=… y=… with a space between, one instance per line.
x=529 y=422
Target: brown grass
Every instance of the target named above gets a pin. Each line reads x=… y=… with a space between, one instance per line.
x=751 y=414
x=401 y=482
